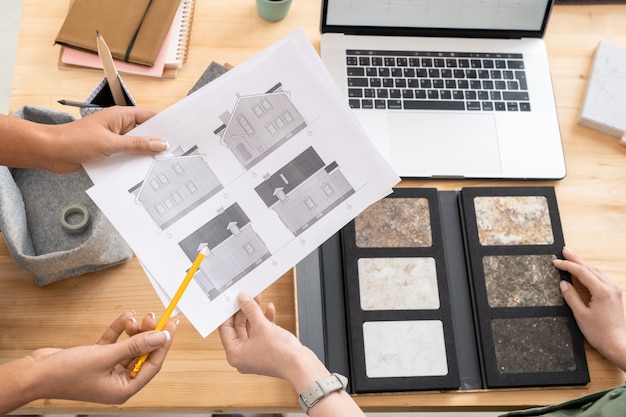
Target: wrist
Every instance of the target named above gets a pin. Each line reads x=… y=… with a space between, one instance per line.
x=306 y=369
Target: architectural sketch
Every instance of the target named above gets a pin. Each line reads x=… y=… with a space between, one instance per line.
x=258 y=124
x=304 y=190
x=176 y=185
x=234 y=250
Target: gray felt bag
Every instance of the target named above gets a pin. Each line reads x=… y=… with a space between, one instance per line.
x=33 y=205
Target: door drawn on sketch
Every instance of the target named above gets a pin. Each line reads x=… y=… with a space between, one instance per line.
x=304 y=190
x=174 y=186
x=235 y=249
x=258 y=124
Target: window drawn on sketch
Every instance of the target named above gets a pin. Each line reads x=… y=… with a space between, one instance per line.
x=234 y=250
x=176 y=185
x=304 y=190
x=258 y=124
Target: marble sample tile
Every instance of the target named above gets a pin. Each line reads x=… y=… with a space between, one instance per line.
x=513 y=220
x=522 y=281
x=394 y=223
x=535 y=344
x=404 y=348
x=398 y=284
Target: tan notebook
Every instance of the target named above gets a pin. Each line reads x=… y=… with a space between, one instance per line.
x=135 y=30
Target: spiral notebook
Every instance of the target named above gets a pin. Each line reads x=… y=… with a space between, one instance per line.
x=172 y=55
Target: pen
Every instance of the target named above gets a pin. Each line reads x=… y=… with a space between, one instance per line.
x=170 y=308
x=78 y=103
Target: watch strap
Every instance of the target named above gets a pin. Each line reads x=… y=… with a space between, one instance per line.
x=320 y=389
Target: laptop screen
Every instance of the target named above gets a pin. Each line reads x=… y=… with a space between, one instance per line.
x=499 y=18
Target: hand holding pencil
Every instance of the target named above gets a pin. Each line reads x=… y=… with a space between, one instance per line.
x=170 y=308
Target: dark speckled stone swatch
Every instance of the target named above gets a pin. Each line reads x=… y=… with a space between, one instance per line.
x=522 y=281
x=539 y=344
x=394 y=223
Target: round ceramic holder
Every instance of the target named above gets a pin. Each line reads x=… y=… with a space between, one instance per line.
x=273 y=10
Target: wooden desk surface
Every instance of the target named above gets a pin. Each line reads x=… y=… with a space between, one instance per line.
x=196 y=377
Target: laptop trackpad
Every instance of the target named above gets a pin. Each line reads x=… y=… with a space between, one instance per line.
x=444 y=144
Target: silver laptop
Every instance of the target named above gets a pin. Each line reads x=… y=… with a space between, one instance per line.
x=449 y=88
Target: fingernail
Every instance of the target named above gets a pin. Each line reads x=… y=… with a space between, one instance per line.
x=158 y=145
x=158 y=338
x=243 y=297
x=151 y=314
x=567 y=250
x=176 y=321
x=134 y=321
x=564 y=286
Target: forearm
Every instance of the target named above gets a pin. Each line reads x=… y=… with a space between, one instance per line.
x=24 y=144
x=16 y=384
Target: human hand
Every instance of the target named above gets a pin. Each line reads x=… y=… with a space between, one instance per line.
x=602 y=319
x=98 y=136
x=100 y=373
x=255 y=344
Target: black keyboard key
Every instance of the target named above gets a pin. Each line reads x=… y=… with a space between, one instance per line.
x=364 y=61
x=400 y=83
x=371 y=71
x=394 y=104
x=426 y=83
x=413 y=83
x=476 y=63
x=483 y=95
x=459 y=73
x=488 y=63
x=434 y=73
x=470 y=95
x=500 y=63
x=388 y=82
x=446 y=73
x=420 y=94
x=369 y=92
x=382 y=93
x=380 y=104
x=476 y=84
x=407 y=93
x=355 y=92
x=500 y=106
x=524 y=106
x=352 y=61
x=464 y=63
x=515 y=95
x=427 y=62
x=515 y=64
x=376 y=82
x=445 y=95
x=354 y=103
x=433 y=105
x=414 y=62
x=367 y=104
x=402 y=62
x=439 y=62
x=473 y=105
x=433 y=94
x=495 y=95
x=421 y=73
x=377 y=61
x=487 y=105
x=408 y=72
x=520 y=76
x=384 y=72
x=438 y=83
x=396 y=72
x=390 y=62
x=512 y=85
x=356 y=72
x=512 y=106
x=395 y=93
x=452 y=63
x=463 y=84
x=458 y=95
x=358 y=82
x=451 y=84
x=507 y=75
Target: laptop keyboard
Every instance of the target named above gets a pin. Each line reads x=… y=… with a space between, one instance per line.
x=436 y=81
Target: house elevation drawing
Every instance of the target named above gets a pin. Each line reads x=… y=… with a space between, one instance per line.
x=258 y=124
x=235 y=249
x=176 y=185
x=304 y=190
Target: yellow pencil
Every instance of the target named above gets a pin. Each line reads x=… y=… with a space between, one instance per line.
x=170 y=308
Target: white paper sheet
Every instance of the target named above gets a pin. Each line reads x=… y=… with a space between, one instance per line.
x=265 y=164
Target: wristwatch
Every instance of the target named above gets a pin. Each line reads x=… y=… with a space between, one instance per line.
x=320 y=389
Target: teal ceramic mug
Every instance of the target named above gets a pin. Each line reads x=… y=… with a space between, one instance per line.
x=273 y=10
